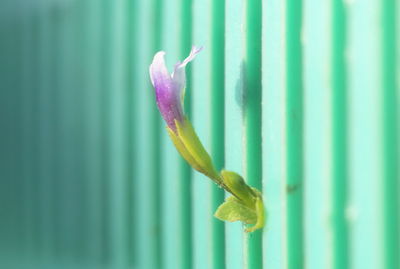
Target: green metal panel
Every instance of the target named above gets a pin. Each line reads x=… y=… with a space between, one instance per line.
x=44 y=132
x=317 y=137
x=91 y=13
x=118 y=125
x=300 y=97
x=25 y=105
x=294 y=135
x=234 y=150
x=366 y=168
x=273 y=109
x=252 y=117
x=339 y=170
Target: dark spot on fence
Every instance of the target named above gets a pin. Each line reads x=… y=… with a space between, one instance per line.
x=290 y=188
x=239 y=88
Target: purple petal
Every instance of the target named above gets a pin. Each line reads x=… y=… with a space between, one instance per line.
x=167 y=94
x=169 y=88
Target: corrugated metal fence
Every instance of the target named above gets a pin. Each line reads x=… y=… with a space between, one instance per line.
x=300 y=96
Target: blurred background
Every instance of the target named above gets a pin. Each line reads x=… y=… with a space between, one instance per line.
x=299 y=96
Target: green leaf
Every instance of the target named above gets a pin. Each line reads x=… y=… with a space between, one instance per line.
x=233 y=210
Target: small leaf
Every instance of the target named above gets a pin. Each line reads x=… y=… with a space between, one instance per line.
x=233 y=210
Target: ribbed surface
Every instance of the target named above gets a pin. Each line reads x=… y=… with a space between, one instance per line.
x=300 y=97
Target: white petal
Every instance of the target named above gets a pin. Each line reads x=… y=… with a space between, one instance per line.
x=179 y=76
x=158 y=70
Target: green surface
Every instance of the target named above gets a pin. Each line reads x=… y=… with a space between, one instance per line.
x=234 y=150
x=294 y=135
x=252 y=117
x=339 y=136
x=299 y=97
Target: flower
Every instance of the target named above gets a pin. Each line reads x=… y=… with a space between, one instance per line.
x=246 y=203
x=170 y=87
x=169 y=97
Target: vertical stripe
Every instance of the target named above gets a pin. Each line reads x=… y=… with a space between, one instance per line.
x=273 y=125
x=294 y=135
x=317 y=133
x=252 y=117
x=53 y=141
x=18 y=148
x=234 y=151
x=90 y=179
x=365 y=165
x=118 y=136
x=91 y=95
x=81 y=187
x=390 y=135
x=58 y=188
x=105 y=62
x=30 y=138
x=339 y=142
x=25 y=122
x=67 y=179
x=44 y=156
x=132 y=53
x=34 y=150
